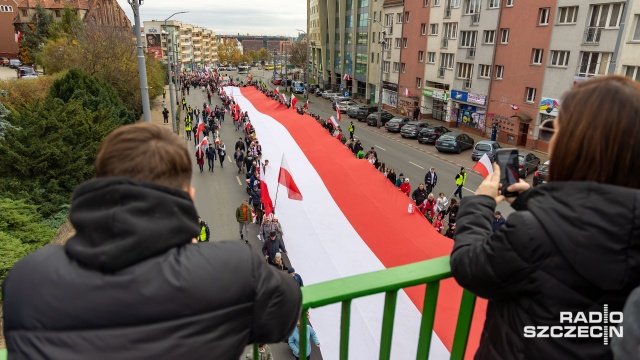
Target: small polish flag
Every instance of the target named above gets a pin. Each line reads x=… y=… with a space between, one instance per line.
x=515 y=107
x=407 y=92
x=200 y=128
x=294 y=101
x=339 y=117
x=347 y=77
x=286 y=179
x=284 y=98
x=266 y=198
x=333 y=120
x=484 y=166
x=204 y=142
x=306 y=106
x=277 y=90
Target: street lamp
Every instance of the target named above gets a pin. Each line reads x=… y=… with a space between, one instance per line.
x=306 y=65
x=142 y=68
x=171 y=97
x=382 y=42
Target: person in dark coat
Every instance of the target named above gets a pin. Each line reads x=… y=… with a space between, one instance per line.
x=133 y=282
x=200 y=159
x=498 y=220
x=211 y=156
x=562 y=250
x=296 y=277
x=430 y=180
x=419 y=195
x=271 y=246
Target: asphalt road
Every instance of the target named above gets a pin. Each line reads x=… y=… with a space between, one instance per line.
x=406 y=156
x=7 y=73
x=218 y=194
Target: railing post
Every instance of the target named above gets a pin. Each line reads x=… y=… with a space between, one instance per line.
x=388 y=317
x=428 y=319
x=345 y=322
x=256 y=355
x=303 y=334
x=463 y=325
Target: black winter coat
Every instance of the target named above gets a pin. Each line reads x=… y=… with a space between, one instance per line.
x=131 y=285
x=573 y=246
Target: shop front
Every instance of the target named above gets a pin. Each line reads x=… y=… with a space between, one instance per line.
x=469 y=111
x=435 y=102
x=389 y=95
x=548 y=112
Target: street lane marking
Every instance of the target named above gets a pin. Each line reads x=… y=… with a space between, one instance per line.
x=239 y=183
x=416 y=165
x=380 y=148
x=468 y=189
x=230 y=159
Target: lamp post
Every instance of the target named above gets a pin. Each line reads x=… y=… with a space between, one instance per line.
x=306 y=65
x=142 y=68
x=171 y=97
x=382 y=42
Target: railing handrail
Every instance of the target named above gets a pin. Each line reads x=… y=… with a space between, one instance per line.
x=392 y=279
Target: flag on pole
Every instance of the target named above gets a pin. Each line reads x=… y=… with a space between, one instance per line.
x=266 y=198
x=483 y=166
x=347 y=77
x=339 y=117
x=286 y=179
x=333 y=120
x=277 y=90
x=515 y=107
x=306 y=105
x=407 y=92
x=284 y=98
x=200 y=127
x=294 y=101
x=202 y=143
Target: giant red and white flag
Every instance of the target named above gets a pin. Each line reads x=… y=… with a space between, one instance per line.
x=330 y=231
x=484 y=166
x=286 y=179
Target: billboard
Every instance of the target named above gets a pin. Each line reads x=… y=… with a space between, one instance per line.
x=154 y=45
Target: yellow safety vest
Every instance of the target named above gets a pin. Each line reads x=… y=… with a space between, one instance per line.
x=203 y=234
x=164 y=91
x=461 y=179
x=187 y=127
x=184 y=101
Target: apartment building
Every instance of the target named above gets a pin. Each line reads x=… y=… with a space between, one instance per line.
x=375 y=49
x=411 y=42
x=8 y=38
x=391 y=65
x=628 y=63
x=314 y=26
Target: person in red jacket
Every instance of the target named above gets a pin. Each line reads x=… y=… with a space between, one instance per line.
x=200 y=159
x=405 y=187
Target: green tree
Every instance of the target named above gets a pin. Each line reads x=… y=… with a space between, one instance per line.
x=264 y=55
x=299 y=55
x=70 y=25
x=4 y=122
x=35 y=35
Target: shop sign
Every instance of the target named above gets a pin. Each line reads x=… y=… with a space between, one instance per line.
x=435 y=93
x=476 y=99
x=390 y=86
x=549 y=106
x=458 y=95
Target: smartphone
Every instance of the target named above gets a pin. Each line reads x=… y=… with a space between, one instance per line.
x=509 y=164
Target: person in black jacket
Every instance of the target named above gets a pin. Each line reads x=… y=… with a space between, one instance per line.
x=133 y=282
x=419 y=195
x=271 y=246
x=568 y=247
x=430 y=180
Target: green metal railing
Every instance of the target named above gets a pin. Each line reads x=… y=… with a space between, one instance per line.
x=389 y=281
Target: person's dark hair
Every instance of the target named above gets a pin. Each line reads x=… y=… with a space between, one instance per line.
x=598 y=133
x=146 y=152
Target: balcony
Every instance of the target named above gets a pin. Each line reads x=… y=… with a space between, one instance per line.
x=447 y=13
x=389 y=281
x=475 y=19
x=592 y=35
x=444 y=44
x=466 y=84
x=471 y=53
x=441 y=71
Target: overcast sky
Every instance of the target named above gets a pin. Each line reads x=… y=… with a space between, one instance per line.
x=230 y=17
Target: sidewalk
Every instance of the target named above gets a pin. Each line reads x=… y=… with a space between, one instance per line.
x=156 y=110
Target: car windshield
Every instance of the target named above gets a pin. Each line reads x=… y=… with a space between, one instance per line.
x=446 y=138
x=483 y=147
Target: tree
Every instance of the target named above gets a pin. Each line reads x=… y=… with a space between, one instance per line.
x=4 y=123
x=228 y=53
x=35 y=35
x=70 y=25
x=299 y=55
x=253 y=55
x=264 y=55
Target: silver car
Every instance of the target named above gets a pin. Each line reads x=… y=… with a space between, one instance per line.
x=343 y=105
x=528 y=163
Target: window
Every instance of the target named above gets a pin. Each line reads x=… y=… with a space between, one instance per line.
x=404 y=43
x=468 y=39
x=24 y=12
x=385 y=66
x=396 y=67
x=436 y=3
x=418 y=82
x=494 y=4
x=559 y=58
x=489 y=36
x=499 y=72
x=636 y=32
x=399 y=18
x=426 y=3
x=406 y=16
x=431 y=57
x=593 y=63
x=403 y=67
x=484 y=71
x=450 y=30
x=543 y=16
x=536 y=57
x=504 y=36
x=567 y=15
x=472 y=7
x=606 y=15
x=372 y=56
x=388 y=20
x=57 y=12
x=632 y=72
x=420 y=56
x=433 y=29
x=465 y=71
x=446 y=60
x=454 y=3
x=509 y=3
x=530 y=95
x=423 y=29
x=398 y=43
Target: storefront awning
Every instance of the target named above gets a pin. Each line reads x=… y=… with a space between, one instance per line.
x=523 y=117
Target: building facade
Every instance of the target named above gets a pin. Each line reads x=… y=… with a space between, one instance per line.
x=189 y=45
x=98 y=12
x=8 y=37
x=391 y=65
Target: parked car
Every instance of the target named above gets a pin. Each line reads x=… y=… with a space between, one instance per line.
x=340 y=98
x=297 y=87
x=361 y=111
x=412 y=128
x=15 y=63
x=429 y=135
x=343 y=105
x=396 y=123
x=336 y=97
x=372 y=119
x=4 y=61
x=276 y=81
x=454 y=142
x=528 y=163
x=328 y=94
x=319 y=92
x=26 y=72
x=540 y=176
x=485 y=147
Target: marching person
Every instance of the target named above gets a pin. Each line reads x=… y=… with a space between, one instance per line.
x=461 y=178
x=204 y=230
x=419 y=195
x=200 y=159
x=405 y=187
x=271 y=246
x=294 y=341
x=238 y=157
x=352 y=129
x=430 y=180
x=222 y=152
x=211 y=156
x=243 y=217
x=296 y=277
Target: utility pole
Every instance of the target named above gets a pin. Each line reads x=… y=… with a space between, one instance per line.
x=174 y=121
x=383 y=42
x=142 y=69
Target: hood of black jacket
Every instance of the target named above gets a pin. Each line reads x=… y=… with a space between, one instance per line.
x=595 y=227
x=120 y=222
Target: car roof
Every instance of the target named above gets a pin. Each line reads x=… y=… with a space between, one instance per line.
x=453 y=133
x=524 y=153
x=413 y=123
x=399 y=118
x=490 y=142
